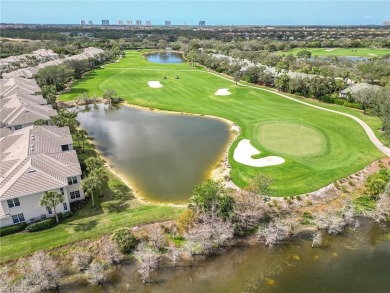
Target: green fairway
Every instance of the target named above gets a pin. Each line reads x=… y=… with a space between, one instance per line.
x=329 y=147
x=356 y=52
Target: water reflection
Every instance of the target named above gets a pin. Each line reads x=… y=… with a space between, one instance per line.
x=163 y=155
x=165 y=57
x=348 y=263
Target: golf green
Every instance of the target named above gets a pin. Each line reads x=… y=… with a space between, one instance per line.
x=291 y=139
x=329 y=147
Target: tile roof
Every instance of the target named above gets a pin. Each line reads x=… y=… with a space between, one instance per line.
x=357 y=87
x=32 y=161
x=19 y=109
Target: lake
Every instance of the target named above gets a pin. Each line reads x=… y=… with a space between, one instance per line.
x=165 y=57
x=162 y=155
x=358 y=261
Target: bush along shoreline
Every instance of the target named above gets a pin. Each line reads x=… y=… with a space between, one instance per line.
x=216 y=218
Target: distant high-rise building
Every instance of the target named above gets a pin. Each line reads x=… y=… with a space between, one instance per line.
x=168 y=23
x=90 y=22
x=82 y=22
x=120 y=22
x=202 y=23
x=138 y=22
x=105 y=22
x=148 y=23
x=386 y=22
x=129 y=22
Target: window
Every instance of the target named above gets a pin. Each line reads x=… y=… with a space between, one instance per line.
x=65 y=147
x=62 y=191
x=49 y=210
x=18 y=218
x=72 y=180
x=17 y=127
x=65 y=206
x=14 y=202
x=75 y=194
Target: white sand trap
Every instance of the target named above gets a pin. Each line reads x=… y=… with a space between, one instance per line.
x=244 y=152
x=154 y=84
x=330 y=50
x=236 y=128
x=222 y=92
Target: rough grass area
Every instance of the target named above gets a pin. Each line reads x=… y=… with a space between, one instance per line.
x=347 y=150
x=355 y=52
x=118 y=208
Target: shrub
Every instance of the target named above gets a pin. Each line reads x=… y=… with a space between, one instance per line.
x=42 y=225
x=376 y=183
x=125 y=240
x=12 y=229
x=186 y=220
x=307 y=215
x=65 y=215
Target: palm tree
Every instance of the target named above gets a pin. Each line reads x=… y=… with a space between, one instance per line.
x=82 y=134
x=93 y=163
x=102 y=177
x=50 y=200
x=90 y=184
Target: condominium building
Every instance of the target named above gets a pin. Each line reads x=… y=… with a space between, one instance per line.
x=33 y=160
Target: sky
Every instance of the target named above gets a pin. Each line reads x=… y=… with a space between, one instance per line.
x=217 y=12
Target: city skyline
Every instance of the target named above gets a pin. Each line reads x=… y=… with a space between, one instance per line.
x=222 y=12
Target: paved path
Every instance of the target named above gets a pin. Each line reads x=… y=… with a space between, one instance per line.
x=363 y=124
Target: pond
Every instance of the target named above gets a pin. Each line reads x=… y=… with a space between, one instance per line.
x=162 y=155
x=358 y=261
x=165 y=57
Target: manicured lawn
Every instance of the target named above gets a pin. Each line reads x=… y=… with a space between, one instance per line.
x=342 y=146
x=357 y=52
x=118 y=208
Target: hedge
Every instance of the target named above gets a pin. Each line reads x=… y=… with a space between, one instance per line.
x=42 y=225
x=12 y=229
x=65 y=215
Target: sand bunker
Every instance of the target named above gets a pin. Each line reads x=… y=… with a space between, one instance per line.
x=222 y=92
x=154 y=84
x=330 y=50
x=236 y=128
x=244 y=152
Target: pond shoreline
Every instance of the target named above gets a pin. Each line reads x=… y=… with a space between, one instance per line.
x=218 y=170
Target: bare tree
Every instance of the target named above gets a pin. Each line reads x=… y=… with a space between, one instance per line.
x=209 y=233
x=348 y=212
x=275 y=231
x=81 y=260
x=250 y=209
x=95 y=273
x=41 y=272
x=111 y=253
x=317 y=239
x=331 y=221
x=157 y=237
x=174 y=255
x=148 y=260
x=382 y=210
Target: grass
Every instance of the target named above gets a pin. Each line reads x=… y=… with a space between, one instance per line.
x=355 y=52
x=347 y=147
x=291 y=139
x=118 y=208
